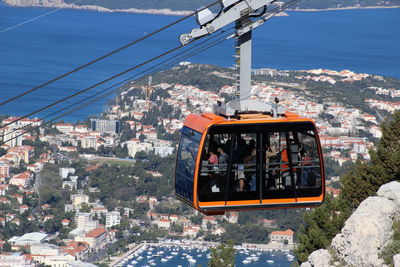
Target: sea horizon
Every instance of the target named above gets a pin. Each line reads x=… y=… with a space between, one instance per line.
x=45 y=48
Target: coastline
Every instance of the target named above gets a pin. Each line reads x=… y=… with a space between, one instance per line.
x=169 y=12
x=203 y=245
x=165 y=11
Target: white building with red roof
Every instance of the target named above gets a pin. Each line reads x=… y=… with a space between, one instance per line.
x=16 y=221
x=16 y=260
x=68 y=148
x=65 y=222
x=96 y=238
x=208 y=220
x=232 y=216
x=142 y=199
x=81 y=129
x=36 y=167
x=98 y=210
x=4 y=200
x=3 y=189
x=152 y=215
x=335 y=192
x=282 y=237
x=21 y=179
x=174 y=218
x=64 y=127
x=4 y=170
x=23 y=208
x=191 y=230
x=77 y=249
x=164 y=224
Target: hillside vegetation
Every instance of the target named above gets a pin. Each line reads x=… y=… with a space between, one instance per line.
x=362 y=181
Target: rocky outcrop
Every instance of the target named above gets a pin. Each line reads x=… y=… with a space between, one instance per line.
x=320 y=258
x=365 y=233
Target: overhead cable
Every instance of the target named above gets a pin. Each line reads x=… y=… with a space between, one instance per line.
x=34 y=18
x=100 y=58
x=99 y=97
x=176 y=59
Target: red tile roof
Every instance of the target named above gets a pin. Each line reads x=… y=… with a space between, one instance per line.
x=96 y=232
x=287 y=232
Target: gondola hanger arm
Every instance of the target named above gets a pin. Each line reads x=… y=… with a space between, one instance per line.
x=231 y=11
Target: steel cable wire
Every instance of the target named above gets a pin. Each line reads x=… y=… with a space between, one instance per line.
x=105 y=93
x=101 y=58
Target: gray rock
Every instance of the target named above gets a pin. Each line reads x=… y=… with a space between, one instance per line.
x=390 y=191
x=366 y=231
x=306 y=264
x=396 y=260
x=320 y=258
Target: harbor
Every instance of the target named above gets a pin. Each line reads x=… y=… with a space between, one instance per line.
x=178 y=253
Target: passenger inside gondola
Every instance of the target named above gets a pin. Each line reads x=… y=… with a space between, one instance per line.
x=230 y=162
x=270 y=163
x=250 y=163
x=213 y=167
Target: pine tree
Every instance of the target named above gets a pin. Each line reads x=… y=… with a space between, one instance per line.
x=362 y=181
x=321 y=225
x=387 y=156
x=223 y=255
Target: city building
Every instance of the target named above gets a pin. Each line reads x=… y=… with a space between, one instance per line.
x=78 y=199
x=164 y=224
x=4 y=170
x=134 y=145
x=84 y=220
x=113 y=218
x=64 y=127
x=105 y=126
x=282 y=237
x=96 y=238
x=64 y=172
x=28 y=239
x=16 y=259
x=21 y=179
x=164 y=151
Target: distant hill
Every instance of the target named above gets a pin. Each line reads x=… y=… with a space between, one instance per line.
x=193 y=5
x=185 y=5
x=352 y=94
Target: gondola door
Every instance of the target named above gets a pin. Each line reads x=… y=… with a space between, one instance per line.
x=233 y=180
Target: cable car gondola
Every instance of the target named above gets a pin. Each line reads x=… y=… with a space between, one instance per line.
x=248 y=155
x=263 y=163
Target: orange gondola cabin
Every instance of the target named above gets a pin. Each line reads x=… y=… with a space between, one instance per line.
x=249 y=154
x=252 y=162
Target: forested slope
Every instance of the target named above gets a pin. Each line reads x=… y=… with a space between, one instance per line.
x=362 y=181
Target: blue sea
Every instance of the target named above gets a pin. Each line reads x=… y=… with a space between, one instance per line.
x=365 y=41
x=169 y=256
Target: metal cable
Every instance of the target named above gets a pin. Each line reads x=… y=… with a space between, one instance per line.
x=129 y=78
x=100 y=58
x=105 y=94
